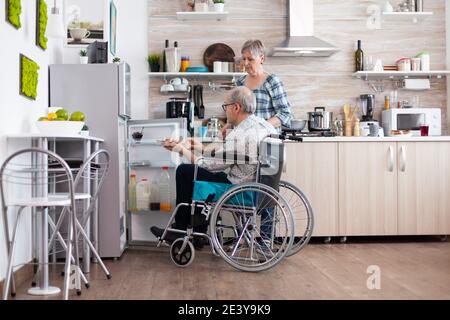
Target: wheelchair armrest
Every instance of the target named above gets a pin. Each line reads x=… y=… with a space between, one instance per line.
x=232 y=157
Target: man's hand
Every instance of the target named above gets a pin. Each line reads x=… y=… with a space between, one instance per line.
x=172 y=145
x=224 y=131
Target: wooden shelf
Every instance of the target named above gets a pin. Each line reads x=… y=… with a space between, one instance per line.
x=406 y=16
x=374 y=75
x=200 y=75
x=209 y=15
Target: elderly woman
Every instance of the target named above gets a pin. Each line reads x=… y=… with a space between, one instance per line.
x=272 y=103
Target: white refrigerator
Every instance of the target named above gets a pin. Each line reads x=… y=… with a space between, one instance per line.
x=102 y=92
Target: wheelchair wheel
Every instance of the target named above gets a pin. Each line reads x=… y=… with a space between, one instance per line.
x=303 y=215
x=186 y=257
x=252 y=227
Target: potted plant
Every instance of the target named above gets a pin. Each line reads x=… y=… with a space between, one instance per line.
x=84 y=57
x=116 y=60
x=154 y=62
x=219 y=5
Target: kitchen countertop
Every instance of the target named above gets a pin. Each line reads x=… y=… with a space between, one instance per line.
x=372 y=139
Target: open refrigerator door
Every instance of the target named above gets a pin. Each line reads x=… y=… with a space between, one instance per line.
x=146 y=159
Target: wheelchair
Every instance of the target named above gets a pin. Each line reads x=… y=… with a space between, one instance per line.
x=250 y=225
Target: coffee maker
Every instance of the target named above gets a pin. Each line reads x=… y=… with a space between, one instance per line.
x=369 y=126
x=181 y=108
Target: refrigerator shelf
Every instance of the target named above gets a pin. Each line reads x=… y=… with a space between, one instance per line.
x=150 y=142
x=150 y=164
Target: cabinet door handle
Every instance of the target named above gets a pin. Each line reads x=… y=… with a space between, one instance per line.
x=391 y=159
x=403 y=159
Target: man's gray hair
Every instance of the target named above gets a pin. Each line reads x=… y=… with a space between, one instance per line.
x=245 y=97
x=255 y=47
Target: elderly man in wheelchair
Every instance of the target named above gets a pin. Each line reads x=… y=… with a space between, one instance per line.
x=223 y=188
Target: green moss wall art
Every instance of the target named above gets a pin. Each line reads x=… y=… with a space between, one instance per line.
x=41 y=24
x=28 y=77
x=13 y=11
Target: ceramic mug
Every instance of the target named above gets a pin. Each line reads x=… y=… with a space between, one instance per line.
x=217 y=66
x=225 y=67
x=179 y=81
x=167 y=88
x=79 y=34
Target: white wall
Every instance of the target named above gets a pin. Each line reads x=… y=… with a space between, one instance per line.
x=132 y=47
x=447 y=30
x=132 y=43
x=17 y=113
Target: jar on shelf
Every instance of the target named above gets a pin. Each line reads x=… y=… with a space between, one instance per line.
x=185 y=63
x=404 y=64
x=415 y=64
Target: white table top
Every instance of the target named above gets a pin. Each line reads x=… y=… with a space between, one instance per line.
x=60 y=137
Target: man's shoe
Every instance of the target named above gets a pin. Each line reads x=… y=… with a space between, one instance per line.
x=170 y=235
x=199 y=243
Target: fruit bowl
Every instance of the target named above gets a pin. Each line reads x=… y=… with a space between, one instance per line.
x=60 y=128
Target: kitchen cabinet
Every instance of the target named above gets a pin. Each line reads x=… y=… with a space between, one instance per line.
x=423 y=188
x=313 y=167
x=367 y=189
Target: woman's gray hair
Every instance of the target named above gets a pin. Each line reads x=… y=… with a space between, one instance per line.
x=255 y=47
x=245 y=97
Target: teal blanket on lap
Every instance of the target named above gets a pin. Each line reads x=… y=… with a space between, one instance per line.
x=202 y=189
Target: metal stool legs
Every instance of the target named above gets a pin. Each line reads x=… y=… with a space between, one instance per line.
x=11 y=246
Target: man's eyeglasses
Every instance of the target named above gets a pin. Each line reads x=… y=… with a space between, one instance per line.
x=225 y=105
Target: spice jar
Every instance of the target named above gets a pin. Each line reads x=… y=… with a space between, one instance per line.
x=387 y=102
x=404 y=64
x=415 y=64
x=185 y=63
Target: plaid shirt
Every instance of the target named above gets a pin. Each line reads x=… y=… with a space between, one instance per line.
x=271 y=100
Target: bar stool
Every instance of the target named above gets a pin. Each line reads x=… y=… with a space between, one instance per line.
x=24 y=183
x=92 y=171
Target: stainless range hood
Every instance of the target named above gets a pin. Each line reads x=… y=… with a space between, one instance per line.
x=301 y=41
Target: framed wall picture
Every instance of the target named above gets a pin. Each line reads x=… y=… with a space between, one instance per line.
x=13 y=9
x=84 y=20
x=112 y=28
x=29 y=77
x=41 y=24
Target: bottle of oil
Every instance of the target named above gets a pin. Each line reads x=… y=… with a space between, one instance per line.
x=164 y=57
x=132 y=201
x=359 y=58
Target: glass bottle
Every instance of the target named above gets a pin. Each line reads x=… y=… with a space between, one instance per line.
x=164 y=57
x=154 y=197
x=359 y=58
x=164 y=188
x=132 y=202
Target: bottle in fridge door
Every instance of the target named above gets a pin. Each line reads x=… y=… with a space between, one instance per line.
x=132 y=205
x=154 y=197
x=143 y=195
x=164 y=187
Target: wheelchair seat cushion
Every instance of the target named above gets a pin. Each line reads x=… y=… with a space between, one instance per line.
x=203 y=189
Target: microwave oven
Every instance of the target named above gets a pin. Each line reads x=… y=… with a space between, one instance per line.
x=412 y=119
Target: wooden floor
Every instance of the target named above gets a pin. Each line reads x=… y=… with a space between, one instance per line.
x=409 y=270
